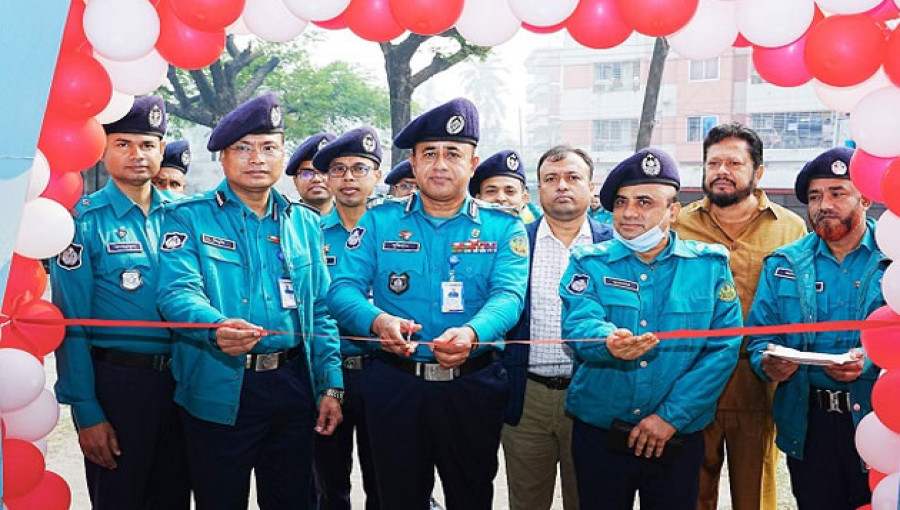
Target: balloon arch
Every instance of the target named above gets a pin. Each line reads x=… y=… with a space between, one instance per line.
x=112 y=50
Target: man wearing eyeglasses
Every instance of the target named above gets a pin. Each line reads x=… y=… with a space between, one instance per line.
x=401 y=180
x=245 y=257
x=312 y=185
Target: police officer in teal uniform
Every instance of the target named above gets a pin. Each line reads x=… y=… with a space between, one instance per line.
x=500 y=179
x=117 y=380
x=448 y=277
x=639 y=404
x=831 y=274
x=401 y=180
x=244 y=256
x=351 y=165
x=311 y=185
x=175 y=165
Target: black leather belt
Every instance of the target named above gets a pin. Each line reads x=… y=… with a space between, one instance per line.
x=354 y=362
x=434 y=372
x=264 y=362
x=554 y=383
x=835 y=401
x=158 y=362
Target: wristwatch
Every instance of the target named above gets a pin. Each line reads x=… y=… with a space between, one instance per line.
x=335 y=393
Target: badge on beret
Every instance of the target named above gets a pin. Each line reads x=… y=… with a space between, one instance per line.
x=519 y=245
x=322 y=143
x=650 y=165
x=186 y=157
x=512 y=162
x=275 y=116
x=155 y=116
x=456 y=124
x=70 y=258
x=173 y=241
x=578 y=284
x=727 y=292
x=839 y=168
x=131 y=279
x=368 y=143
x=355 y=238
x=398 y=283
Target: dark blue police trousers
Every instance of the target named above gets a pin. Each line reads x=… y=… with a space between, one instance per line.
x=152 y=470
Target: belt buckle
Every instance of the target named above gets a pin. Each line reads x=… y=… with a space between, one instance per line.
x=266 y=362
x=352 y=362
x=433 y=372
x=161 y=363
x=834 y=401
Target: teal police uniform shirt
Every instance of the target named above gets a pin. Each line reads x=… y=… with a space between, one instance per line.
x=219 y=261
x=601 y=215
x=803 y=282
x=108 y=272
x=687 y=286
x=404 y=255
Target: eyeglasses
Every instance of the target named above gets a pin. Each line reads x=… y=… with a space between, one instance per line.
x=406 y=186
x=245 y=150
x=307 y=174
x=357 y=170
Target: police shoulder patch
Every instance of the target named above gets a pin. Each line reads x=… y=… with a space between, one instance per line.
x=172 y=241
x=70 y=258
x=519 y=245
x=355 y=238
x=578 y=283
x=727 y=292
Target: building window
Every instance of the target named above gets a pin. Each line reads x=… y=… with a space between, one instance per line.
x=702 y=70
x=794 y=130
x=698 y=126
x=616 y=76
x=614 y=135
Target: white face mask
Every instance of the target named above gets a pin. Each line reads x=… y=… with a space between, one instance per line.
x=644 y=242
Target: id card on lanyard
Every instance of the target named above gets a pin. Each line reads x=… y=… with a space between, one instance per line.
x=452 y=291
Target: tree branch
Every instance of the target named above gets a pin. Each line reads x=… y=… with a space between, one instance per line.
x=207 y=94
x=439 y=64
x=256 y=79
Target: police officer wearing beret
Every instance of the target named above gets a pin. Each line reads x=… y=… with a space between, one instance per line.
x=401 y=180
x=500 y=179
x=351 y=165
x=640 y=405
x=245 y=257
x=831 y=274
x=175 y=165
x=117 y=380
x=312 y=185
x=448 y=277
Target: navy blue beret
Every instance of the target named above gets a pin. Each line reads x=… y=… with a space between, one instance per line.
x=307 y=150
x=402 y=170
x=505 y=162
x=146 y=117
x=178 y=155
x=646 y=166
x=259 y=115
x=456 y=120
x=362 y=142
x=831 y=164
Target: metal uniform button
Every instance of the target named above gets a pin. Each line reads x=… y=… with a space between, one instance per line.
x=643 y=278
x=643 y=323
x=856 y=407
x=643 y=364
x=244 y=300
x=637 y=412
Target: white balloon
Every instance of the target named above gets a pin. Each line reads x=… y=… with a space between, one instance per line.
x=121 y=29
x=39 y=176
x=874 y=123
x=877 y=445
x=35 y=420
x=542 y=13
x=890 y=288
x=45 y=230
x=41 y=444
x=487 y=22
x=238 y=27
x=887 y=234
x=271 y=20
x=773 y=23
x=136 y=77
x=21 y=379
x=845 y=99
x=709 y=33
x=884 y=497
x=319 y=10
x=119 y=106
x=848 y=6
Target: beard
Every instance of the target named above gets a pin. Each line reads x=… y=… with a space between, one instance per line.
x=830 y=230
x=729 y=199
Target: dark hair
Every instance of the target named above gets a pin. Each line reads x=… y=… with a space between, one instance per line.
x=735 y=130
x=559 y=153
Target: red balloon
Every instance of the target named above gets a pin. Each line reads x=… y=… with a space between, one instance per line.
x=890 y=183
x=783 y=66
x=73 y=36
x=27 y=282
x=184 y=46
x=43 y=338
x=884 y=399
x=598 y=24
x=867 y=172
x=71 y=145
x=548 y=29
x=874 y=478
x=336 y=23
x=426 y=17
x=881 y=344
x=741 y=42
x=208 y=15
x=886 y=10
x=845 y=50
x=51 y=493
x=658 y=18
x=372 y=20
x=81 y=86
x=65 y=188
x=23 y=467
x=892 y=58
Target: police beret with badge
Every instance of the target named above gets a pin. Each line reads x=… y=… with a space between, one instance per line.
x=506 y=162
x=307 y=151
x=177 y=155
x=257 y=116
x=831 y=164
x=146 y=117
x=646 y=166
x=402 y=170
x=361 y=142
x=455 y=120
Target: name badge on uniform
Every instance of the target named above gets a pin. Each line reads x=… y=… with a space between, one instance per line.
x=286 y=289
x=452 y=297
x=131 y=279
x=784 y=272
x=619 y=283
x=218 y=242
x=124 y=248
x=330 y=260
x=401 y=246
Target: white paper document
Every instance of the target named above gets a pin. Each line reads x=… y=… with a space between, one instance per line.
x=809 y=358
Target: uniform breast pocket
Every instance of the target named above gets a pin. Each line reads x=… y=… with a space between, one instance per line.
x=402 y=275
x=691 y=311
x=787 y=298
x=474 y=270
x=622 y=307
x=220 y=262
x=300 y=268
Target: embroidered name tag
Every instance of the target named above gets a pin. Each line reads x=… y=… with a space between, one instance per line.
x=621 y=284
x=820 y=286
x=218 y=242
x=783 y=272
x=474 y=246
x=124 y=248
x=405 y=246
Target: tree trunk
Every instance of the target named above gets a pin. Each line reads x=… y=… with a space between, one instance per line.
x=400 y=86
x=651 y=93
